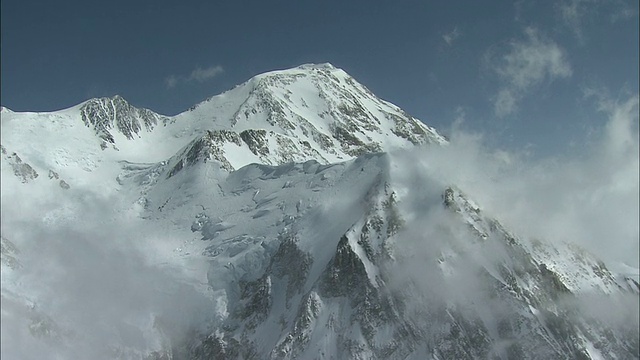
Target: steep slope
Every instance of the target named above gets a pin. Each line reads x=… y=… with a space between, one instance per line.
x=312 y=112
x=264 y=223
x=103 y=114
x=307 y=261
x=96 y=149
x=340 y=277
x=332 y=118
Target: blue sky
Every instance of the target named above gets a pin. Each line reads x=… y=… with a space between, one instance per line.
x=529 y=75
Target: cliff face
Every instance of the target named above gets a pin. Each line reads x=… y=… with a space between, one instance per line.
x=275 y=221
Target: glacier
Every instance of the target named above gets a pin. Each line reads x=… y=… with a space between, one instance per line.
x=287 y=218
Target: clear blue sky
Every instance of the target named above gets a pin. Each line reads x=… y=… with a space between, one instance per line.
x=528 y=74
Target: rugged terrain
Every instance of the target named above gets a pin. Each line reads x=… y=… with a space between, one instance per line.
x=280 y=219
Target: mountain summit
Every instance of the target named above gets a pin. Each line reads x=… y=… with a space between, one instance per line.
x=311 y=112
x=282 y=219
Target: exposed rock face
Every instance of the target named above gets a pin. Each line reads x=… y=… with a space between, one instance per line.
x=306 y=239
x=105 y=114
x=21 y=169
x=25 y=172
x=337 y=115
x=208 y=147
x=9 y=253
x=368 y=319
x=54 y=175
x=334 y=118
x=257 y=141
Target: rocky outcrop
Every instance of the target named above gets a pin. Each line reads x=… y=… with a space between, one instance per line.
x=208 y=147
x=105 y=114
x=8 y=254
x=22 y=170
x=54 y=176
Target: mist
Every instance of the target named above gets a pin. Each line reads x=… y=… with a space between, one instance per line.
x=589 y=198
x=96 y=283
x=97 y=280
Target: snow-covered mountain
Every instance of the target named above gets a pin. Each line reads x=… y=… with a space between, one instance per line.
x=276 y=220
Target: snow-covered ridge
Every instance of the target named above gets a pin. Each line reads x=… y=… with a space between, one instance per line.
x=330 y=118
x=277 y=219
x=104 y=114
x=326 y=66
x=314 y=252
x=312 y=112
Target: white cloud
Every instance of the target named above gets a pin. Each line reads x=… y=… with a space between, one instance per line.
x=460 y=117
x=527 y=63
x=171 y=81
x=202 y=75
x=591 y=199
x=451 y=36
x=624 y=12
x=576 y=14
x=621 y=130
x=573 y=12
x=530 y=61
x=87 y=285
x=505 y=103
x=199 y=75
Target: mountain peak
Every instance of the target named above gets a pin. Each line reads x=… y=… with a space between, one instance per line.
x=339 y=253
x=106 y=113
x=319 y=66
x=310 y=112
x=301 y=71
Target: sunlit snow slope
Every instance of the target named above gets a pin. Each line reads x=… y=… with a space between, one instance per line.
x=280 y=219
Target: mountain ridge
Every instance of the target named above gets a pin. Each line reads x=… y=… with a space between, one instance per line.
x=340 y=121
x=254 y=244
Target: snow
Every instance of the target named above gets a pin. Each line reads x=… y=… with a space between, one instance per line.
x=239 y=156
x=594 y=353
x=132 y=258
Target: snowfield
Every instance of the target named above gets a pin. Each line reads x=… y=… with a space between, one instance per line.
x=296 y=216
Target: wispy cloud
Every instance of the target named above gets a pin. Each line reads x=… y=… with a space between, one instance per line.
x=199 y=75
x=623 y=12
x=576 y=14
x=525 y=64
x=590 y=201
x=171 y=81
x=573 y=12
x=101 y=281
x=452 y=36
x=581 y=198
x=202 y=75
